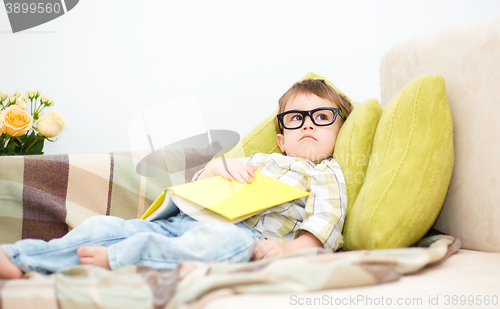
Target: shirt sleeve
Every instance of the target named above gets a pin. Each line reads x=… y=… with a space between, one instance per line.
x=325 y=210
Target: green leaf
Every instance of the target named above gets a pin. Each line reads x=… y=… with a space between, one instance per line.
x=37 y=148
x=2 y=142
x=27 y=142
x=13 y=146
x=19 y=145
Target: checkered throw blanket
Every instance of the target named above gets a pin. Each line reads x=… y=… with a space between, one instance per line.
x=45 y=196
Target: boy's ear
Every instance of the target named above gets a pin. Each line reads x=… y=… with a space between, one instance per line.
x=280 y=138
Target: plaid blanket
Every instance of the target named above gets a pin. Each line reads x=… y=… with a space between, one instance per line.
x=193 y=284
x=45 y=196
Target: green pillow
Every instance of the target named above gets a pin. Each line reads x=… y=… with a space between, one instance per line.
x=311 y=75
x=409 y=170
x=354 y=146
x=262 y=138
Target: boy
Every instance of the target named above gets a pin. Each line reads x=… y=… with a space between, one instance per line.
x=307 y=126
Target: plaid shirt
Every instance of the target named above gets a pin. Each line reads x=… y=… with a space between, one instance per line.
x=322 y=213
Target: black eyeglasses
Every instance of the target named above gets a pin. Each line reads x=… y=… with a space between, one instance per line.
x=323 y=116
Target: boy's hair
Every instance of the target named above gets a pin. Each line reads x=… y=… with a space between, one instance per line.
x=318 y=87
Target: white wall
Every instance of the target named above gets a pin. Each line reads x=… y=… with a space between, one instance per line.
x=107 y=60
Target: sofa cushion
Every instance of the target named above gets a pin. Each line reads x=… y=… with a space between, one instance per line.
x=409 y=170
x=354 y=146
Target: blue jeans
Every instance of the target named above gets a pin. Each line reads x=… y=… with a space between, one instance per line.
x=160 y=244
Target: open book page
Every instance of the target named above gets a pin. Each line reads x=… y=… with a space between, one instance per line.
x=163 y=207
x=217 y=197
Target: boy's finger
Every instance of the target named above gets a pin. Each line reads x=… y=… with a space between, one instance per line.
x=251 y=167
x=267 y=255
x=258 y=246
x=256 y=254
x=227 y=176
x=260 y=251
x=249 y=178
x=250 y=171
x=245 y=175
x=237 y=176
x=266 y=251
x=271 y=254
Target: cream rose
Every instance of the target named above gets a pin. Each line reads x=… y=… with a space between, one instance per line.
x=3 y=95
x=47 y=100
x=21 y=103
x=15 y=121
x=30 y=93
x=51 y=125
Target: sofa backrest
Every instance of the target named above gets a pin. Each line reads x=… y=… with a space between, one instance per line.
x=468 y=57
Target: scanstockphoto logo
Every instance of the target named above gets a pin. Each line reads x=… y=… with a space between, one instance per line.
x=26 y=14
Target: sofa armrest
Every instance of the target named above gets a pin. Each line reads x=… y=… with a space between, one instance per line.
x=468 y=57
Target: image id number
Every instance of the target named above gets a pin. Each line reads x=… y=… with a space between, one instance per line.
x=33 y=8
x=471 y=300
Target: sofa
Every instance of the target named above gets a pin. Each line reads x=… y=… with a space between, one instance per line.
x=468 y=58
x=456 y=264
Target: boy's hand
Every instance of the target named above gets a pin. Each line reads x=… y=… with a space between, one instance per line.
x=267 y=249
x=236 y=169
x=270 y=248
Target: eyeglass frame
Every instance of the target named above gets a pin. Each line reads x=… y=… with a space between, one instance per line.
x=336 y=112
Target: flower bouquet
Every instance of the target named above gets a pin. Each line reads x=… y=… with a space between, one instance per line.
x=23 y=132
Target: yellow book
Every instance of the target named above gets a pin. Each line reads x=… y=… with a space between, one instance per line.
x=216 y=199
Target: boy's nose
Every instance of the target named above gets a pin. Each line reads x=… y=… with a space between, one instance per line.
x=308 y=124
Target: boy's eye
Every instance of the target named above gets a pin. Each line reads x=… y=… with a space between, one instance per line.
x=322 y=117
x=297 y=117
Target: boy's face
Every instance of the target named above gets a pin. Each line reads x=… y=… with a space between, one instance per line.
x=310 y=142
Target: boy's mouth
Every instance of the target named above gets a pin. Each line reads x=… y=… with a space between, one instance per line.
x=307 y=136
